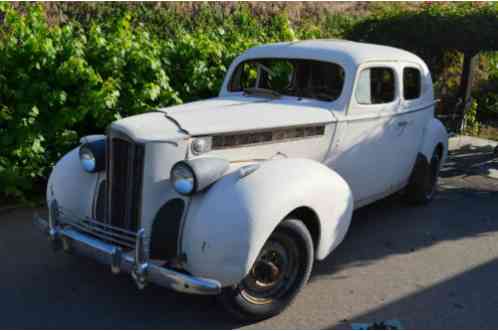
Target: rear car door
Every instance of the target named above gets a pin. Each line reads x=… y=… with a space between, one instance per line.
x=364 y=157
x=409 y=119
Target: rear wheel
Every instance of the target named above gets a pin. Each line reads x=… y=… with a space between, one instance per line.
x=281 y=270
x=423 y=182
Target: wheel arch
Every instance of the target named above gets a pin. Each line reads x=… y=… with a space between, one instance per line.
x=311 y=220
x=435 y=138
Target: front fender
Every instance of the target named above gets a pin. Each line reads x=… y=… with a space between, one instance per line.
x=227 y=225
x=73 y=187
x=435 y=133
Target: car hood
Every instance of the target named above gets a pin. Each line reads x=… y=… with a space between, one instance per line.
x=220 y=115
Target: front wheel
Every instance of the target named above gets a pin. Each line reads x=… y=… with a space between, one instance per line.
x=280 y=271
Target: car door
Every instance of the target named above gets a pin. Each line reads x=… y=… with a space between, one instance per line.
x=362 y=155
x=409 y=119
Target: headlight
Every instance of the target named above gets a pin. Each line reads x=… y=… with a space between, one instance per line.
x=92 y=156
x=87 y=159
x=183 y=178
x=201 y=145
x=189 y=177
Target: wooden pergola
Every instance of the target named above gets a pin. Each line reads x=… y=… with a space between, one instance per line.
x=436 y=30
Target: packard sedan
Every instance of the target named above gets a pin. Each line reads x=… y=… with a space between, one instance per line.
x=238 y=195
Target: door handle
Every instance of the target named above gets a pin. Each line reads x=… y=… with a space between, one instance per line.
x=402 y=124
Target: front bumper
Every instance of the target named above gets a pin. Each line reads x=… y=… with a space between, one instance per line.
x=134 y=262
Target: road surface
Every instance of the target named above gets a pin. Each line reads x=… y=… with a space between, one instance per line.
x=428 y=267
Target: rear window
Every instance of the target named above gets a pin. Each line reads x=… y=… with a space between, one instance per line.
x=411 y=83
x=292 y=77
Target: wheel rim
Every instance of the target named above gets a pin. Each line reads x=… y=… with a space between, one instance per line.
x=275 y=271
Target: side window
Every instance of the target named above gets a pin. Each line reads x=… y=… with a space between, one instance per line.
x=375 y=86
x=247 y=74
x=411 y=83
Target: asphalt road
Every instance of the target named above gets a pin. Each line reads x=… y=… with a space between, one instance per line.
x=428 y=267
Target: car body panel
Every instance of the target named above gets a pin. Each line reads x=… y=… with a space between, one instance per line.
x=228 y=225
x=224 y=115
x=72 y=187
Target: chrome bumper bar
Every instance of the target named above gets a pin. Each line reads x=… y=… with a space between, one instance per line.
x=136 y=263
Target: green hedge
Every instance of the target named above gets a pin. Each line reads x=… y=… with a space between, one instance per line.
x=61 y=79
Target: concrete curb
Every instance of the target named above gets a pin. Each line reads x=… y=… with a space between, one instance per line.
x=457 y=142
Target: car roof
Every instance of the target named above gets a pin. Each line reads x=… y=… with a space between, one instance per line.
x=335 y=50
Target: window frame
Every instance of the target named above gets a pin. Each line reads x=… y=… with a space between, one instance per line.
x=381 y=65
x=421 y=85
x=342 y=67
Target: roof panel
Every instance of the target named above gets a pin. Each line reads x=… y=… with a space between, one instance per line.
x=333 y=49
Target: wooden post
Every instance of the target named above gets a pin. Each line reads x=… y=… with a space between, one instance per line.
x=470 y=61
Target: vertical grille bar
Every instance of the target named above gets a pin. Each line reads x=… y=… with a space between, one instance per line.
x=138 y=166
x=125 y=177
x=101 y=208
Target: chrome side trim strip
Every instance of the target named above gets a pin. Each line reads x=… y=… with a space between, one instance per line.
x=369 y=116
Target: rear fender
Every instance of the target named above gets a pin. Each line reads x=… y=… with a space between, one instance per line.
x=228 y=224
x=434 y=134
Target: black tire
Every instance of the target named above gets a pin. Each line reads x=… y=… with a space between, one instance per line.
x=253 y=299
x=423 y=182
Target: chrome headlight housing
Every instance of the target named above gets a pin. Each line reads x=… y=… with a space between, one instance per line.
x=92 y=156
x=191 y=176
x=201 y=145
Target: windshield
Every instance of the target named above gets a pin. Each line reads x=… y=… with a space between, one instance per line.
x=292 y=77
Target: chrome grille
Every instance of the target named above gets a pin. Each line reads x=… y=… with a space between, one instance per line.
x=124 y=181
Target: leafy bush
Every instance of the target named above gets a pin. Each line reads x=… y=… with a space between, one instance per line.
x=488 y=104
x=59 y=82
x=486 y=91
x=471 y=121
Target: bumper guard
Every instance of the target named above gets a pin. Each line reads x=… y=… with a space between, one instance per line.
x=136 y=263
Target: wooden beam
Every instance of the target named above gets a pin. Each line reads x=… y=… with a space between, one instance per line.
x=470 y=61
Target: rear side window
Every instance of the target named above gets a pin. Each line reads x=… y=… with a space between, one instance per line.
x=376 y=86
x=411 y=83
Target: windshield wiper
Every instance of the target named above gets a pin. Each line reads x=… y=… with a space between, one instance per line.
x=262 y=91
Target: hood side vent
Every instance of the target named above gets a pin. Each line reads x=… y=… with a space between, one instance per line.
x=266 y=136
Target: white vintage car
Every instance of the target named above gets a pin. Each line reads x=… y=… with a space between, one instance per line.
x=238 y=195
